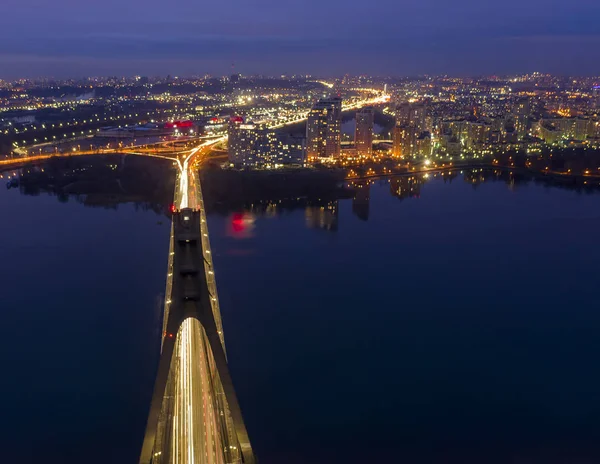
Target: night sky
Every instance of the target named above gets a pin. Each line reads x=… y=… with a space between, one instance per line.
x=326 y=37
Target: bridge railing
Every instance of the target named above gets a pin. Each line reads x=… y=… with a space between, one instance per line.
x=169 y=284
x=208 y=260
x=228 y=430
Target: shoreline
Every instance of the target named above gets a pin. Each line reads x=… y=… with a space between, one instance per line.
x=10 y=164
x=520 y=169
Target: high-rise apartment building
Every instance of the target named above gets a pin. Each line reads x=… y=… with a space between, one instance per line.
x=423 y=144
x=411 y=122
x=324 y=130
x=316 y=134
x=403 y=114
x=522 y=114
x=236 y=140
x=478 y=134
x=412 y=114
x=595 y=100
x=363 y=135
x=255 y=145
x=404 y=140
x=456 y=127
x=290 y=150
x=557 y=129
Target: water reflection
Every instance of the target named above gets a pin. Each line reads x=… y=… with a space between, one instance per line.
x=322 y=209
x=242 y=225
x=472 y=366
x=101 y=182
x=406 y=187
x=108 y=181
x=466 y=332
x=361 y=200
x=323 y=216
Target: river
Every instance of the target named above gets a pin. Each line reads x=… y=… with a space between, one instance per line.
x=448 y=319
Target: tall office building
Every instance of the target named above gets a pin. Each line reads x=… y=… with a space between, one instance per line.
x=324 y=130
x=363 y=135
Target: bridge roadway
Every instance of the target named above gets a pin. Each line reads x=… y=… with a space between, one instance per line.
x=17 y=162
x=153 y=150
x=194 y=417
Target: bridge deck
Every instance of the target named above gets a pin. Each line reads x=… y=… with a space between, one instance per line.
x=194 y=416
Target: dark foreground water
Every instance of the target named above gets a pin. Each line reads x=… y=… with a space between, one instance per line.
x=420 y=322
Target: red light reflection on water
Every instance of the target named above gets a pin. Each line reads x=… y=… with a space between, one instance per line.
x=241 y=225
x=237 y=222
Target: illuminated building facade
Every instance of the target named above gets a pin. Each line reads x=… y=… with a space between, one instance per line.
x=256 y=146
x=316 y=134
x=478 y=134
x=555 y=130
x=247 y=142
x=289 y=150
x=411 y=123
x=550 y=134
x=423 y=144
x=404 y=141
x=412 y=114
x=521 y=114
x=363 y=135
x=324 y=130
x=595 y=100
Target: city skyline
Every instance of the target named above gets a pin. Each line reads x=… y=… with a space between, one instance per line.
x=431 y=37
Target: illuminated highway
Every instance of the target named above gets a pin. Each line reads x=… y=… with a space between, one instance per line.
x=379 y=100
x=195 y=417
x=164 y=150
x=36 y=158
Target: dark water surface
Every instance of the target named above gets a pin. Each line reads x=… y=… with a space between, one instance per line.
x=447 y=323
